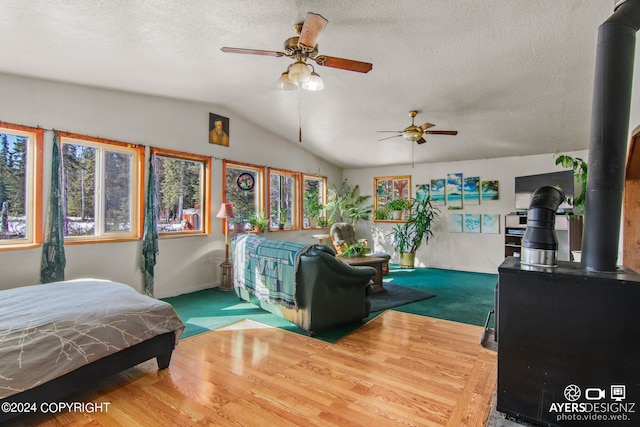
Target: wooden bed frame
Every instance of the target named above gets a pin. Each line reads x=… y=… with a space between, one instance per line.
x=161 y=347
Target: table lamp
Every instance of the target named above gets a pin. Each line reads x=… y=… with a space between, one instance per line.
x=226 y=212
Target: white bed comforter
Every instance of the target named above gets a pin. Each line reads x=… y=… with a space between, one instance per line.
x=49 y=330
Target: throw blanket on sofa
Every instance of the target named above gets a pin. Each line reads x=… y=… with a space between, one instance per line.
x=267 y=268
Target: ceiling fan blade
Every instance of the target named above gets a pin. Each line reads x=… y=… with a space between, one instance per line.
x=311 y=30
x=426 y=126
x=389 y=137
x=399 y=132
x=251 y=51
x=441 y=132
x=343 y=64
x=421 y=141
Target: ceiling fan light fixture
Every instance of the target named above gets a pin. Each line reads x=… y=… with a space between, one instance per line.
x=314 y=83
x=285 y=82
x=412 y=134
x=299 y=72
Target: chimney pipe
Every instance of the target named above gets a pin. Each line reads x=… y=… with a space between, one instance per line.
x=609 y=134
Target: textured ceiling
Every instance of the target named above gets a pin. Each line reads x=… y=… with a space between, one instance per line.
x=513 y=77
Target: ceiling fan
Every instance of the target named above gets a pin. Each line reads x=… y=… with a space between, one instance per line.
x=303 y=48
x=416 y=133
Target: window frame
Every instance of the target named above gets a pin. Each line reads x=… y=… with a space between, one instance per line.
x=205 y=204
x=323 y=197
x=376 y=196
x=137 y=185
x=295 y=215
x=34 y=198
x=260 y=186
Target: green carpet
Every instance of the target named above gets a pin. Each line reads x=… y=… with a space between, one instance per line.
x=461 y=296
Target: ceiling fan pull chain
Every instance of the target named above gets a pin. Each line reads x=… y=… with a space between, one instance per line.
x=299 y=115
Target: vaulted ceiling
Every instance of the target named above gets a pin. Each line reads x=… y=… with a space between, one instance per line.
x=512 y=77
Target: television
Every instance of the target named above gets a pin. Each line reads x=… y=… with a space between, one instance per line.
x=526 y=185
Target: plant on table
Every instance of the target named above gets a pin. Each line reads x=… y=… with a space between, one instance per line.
x=354 y=250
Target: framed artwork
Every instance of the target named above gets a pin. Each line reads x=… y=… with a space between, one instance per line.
x=422 y=191
x=218 y=130
x=438 y=192
x=490 y=224
x=454 y=190
x=471 y=223
x=471 y=193
x=389 y=188
x=490 y=190
x=455 y=223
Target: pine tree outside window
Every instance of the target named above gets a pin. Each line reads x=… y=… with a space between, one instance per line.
x=21 y=150
x=102 y=188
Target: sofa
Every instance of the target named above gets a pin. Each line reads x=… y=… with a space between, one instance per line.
x=327 y=292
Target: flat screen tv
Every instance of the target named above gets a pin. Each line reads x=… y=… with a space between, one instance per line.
x=526 y=185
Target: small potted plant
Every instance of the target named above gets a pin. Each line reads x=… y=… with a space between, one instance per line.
x=354 y=250
x=281 y=218
x=397 y=207
x=259 y=223
x=323 y=222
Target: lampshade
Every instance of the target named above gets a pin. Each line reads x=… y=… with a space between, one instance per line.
x=314 y=83
x=299 y=72
x=285 y=83
x=226 y=211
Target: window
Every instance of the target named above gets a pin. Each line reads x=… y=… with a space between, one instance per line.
x=243 y=189
x=102 y=188
x=388 y=189
x=20 y=186
x=314 y=200
x=183 y=191
x=283 y=199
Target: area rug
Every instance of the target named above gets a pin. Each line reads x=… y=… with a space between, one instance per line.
x=396 y=296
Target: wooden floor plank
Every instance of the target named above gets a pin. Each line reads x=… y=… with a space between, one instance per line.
x=398 y=369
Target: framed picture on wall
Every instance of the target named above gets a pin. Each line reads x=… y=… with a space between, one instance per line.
x=218 y=130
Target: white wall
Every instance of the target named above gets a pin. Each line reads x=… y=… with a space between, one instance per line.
x=184 y=264
x=457 y=251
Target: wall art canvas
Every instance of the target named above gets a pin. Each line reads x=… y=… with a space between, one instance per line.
x=471 y=223
x=422 y=191
x=438 y=191
x=454 y=190
x=218 y=130
x=455 y=223
x=471 y=193
x=490 y=190
x=490 y=224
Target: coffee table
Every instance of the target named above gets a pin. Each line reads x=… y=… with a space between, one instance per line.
x=369 y=261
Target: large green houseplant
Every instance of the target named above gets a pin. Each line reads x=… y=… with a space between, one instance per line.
x=347 y=204
x=576 y=219
x=409 y=235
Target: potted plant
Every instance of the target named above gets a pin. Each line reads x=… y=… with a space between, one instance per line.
x=397 y=207
x=408 y=236
x=239 y=223
x=380 y=214
x=282 y=218
x=354 y=250
x=259 y=223
x=312 y=206
x=346 y=204
x=323 y=222
x=580 y=173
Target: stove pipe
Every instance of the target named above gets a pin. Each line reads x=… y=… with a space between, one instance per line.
x=609 y=133
x=539 y=243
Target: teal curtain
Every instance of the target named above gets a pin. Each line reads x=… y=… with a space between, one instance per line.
x=150 y=237
x=53 y=258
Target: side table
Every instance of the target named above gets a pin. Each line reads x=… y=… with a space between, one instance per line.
x=226 y=276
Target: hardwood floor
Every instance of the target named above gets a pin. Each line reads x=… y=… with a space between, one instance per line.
x=399 y=369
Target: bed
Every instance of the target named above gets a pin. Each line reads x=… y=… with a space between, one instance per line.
x=58 y=337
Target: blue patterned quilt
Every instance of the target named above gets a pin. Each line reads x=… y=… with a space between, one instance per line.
x=267 y=268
